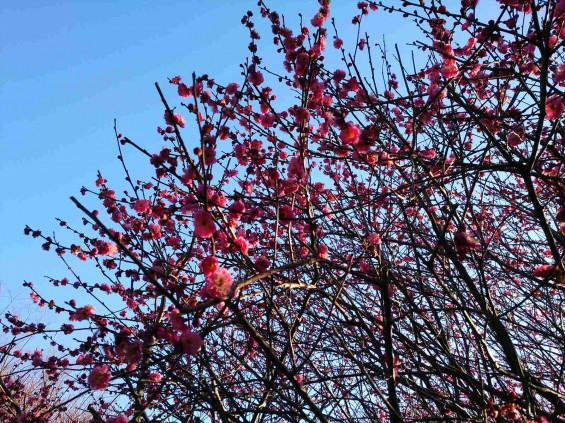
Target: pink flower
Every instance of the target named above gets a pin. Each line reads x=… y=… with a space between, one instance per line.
x=119 y=419
x=428 y=153
x=545 y=271
x=155 y=230
x=106 y=249
x=464 y=242
x=99 y=377
x=204 y=226
x=339 y=75
x=236 y=210
x=286 y=213
x=141 y=206
x=183 y=90
x=350 y=133
x=554 y=107
x=84 y=359
x=84 y=313
x=338 y=43
x=320 y=17
x=374 y=239
x=559 y=74
x=218 y=284
x=176 y=118
x=302 y=61
x=242 y=244
x=155 y=377
x=256 y=77
x=450 y=69
x=209 y=265
x=232 y=87
x=191 y=342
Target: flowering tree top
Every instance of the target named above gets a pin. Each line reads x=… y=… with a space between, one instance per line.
x=386 y=246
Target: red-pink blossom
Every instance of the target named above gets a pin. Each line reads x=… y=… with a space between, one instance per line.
x=428 y=153
x=546 y=271
x=242 y=244
x=339 y=75
x=232 y=88
x=191 y=342
x=105 y=248
x=236 y=210
x=99 y=377
x=302 y=61
x=141 y=206
x=83 y=313
x=464 y=243
x=183 y=90
x=209 y=265
x=554 y=107
x=155 y=377
x=256 y=77
x=176 y=118
x=119 y=419
x=559 y=75
x=350 y=133
x=374 y=239
x=218 y=284
x=204 y=226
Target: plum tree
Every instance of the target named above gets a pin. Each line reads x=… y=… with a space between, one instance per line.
x=386 y=245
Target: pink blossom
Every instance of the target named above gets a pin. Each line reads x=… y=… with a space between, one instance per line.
x=286 y=213
x=296 y=168
x=554 y=107
x=559 y=75
x=106 y=248
x=84 y=313
x=302 y=61
x=232 y=87
x=84 y=359
x=155 y=377
x=99 y=377
x=256 y=77
x=350 y=133
x=374 y=239
x=183 y=90
x=428 y=153
x=204 y=226
x=464 y=242
x=450 y=69
x=218 y=284
x=141 y=206
x=236 y=210
x=320 y=17
x=242 y=244
x=209 y=265
x=339 y=75
x=191 y=342
x=545 y=271
x=338 y=43
x=176 y=118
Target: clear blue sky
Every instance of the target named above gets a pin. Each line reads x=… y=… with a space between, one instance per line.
x=68 y=68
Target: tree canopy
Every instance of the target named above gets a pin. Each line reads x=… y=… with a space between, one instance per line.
x=365 y=239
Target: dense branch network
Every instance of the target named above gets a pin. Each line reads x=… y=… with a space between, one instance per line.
x=389 y=247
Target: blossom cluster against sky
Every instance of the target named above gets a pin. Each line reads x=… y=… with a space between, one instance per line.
x=69 y=68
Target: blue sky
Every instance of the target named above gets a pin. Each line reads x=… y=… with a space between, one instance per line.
x=68 y=68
